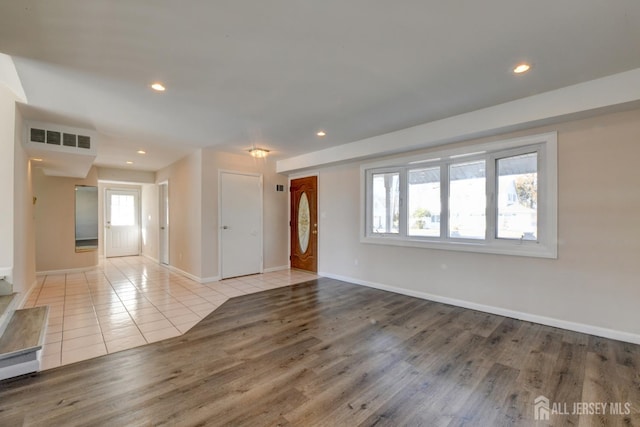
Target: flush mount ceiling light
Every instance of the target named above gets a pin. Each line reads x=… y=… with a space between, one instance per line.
x=321 y=133
x=158 y=87
x=141 y=152
x=521 y=68
x=129 y=162
x=259 y=152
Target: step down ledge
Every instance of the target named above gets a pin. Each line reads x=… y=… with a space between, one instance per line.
x=21 y=344
x=8 y=304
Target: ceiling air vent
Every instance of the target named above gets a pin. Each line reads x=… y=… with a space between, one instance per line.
x=68 y=140
x=84 y=142
x=53 y=137
x=64 y=150
x=37 y=135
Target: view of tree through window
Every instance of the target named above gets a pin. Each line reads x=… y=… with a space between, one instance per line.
x=495 y=197
x=518 y=197
x=424 y=202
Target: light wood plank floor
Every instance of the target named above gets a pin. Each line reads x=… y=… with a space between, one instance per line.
x=334 y=354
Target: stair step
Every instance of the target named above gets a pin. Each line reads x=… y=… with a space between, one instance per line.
x=5 y=302
x=22 y=341
x=7 y=307
x=6 y=288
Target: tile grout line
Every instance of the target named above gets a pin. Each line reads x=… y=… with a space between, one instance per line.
x=129 y=270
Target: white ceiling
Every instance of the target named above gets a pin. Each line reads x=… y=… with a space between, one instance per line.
x=271 y=73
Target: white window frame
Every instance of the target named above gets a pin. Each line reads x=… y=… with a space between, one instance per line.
x=546 y=245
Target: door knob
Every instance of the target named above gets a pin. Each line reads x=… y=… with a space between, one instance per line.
x=225 y=227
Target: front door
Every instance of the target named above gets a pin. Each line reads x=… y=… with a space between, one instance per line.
x=240 y=224
x=122 y=223
x=304 y=223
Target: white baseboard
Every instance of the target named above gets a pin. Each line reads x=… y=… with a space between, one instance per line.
x=543 y=320
x=66 y=271
x=150 y=258
x=272 y=269
x=192 y=276
x=19 y=369
x=25 y=295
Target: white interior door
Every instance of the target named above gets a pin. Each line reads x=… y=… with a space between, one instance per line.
x=122 y=223
x=163 y=196
x=240 y=224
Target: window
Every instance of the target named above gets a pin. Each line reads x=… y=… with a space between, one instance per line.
x=498 y=197
x=467 y=200
x=386 y=202
x=123 y=209
x=518 y=197
x=424 y=202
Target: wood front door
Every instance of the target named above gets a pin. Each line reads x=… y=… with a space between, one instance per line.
x=304 y=223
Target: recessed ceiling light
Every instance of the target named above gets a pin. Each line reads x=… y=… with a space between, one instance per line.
x=321 y=133
x=129 y=162
x=141 y=152
x=522 y=68
x=37 y=160
x=159 y=87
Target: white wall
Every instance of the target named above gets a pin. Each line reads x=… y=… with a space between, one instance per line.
x=55 y=223
x=126 y=175
x=24 y=255
x=185 y=213
x=149 y=205
x=193 y=211
x=592 y=286
x=7 y=148
x=17 y=247
x=275 y=222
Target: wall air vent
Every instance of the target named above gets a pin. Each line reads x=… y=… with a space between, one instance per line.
x=37 y=135
x=65 y=151
x=68 y=140
x=53 y=137
x=84 y=142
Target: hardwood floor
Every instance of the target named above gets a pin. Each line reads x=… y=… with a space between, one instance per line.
x=330 y=353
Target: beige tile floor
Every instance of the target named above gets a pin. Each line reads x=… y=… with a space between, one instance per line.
x=131 y=301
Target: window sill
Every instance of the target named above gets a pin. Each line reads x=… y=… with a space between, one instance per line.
x=507 y=247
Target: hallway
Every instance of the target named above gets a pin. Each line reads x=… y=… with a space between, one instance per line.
x=131 y=301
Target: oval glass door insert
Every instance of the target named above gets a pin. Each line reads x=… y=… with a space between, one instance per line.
x=304 y=229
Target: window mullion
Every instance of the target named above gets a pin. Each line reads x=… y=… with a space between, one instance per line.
x=404 y=200
x=444 y=201
x=492 y=200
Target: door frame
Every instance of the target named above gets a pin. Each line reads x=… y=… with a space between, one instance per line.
x=138 y=191
x=219 y=224
x=160 y=214
x=298 y=176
